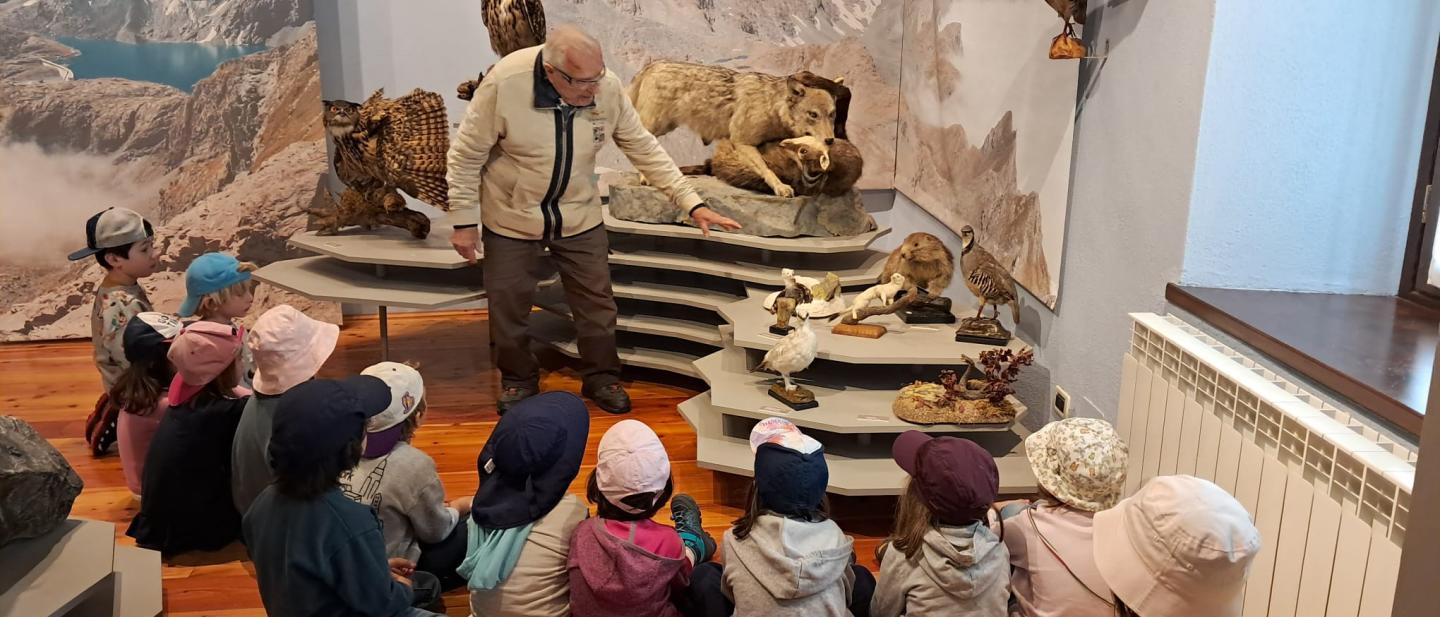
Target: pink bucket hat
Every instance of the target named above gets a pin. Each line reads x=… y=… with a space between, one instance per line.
x=1081 y=461
x=631 y=461
x=289 y=347
x=201 y=352
x=1180 y=547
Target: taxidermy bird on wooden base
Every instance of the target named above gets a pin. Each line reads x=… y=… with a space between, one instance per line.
x=513 y=25
x=985 y=277
x=793 y=354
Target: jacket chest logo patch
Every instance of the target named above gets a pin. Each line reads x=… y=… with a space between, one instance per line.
x=597 y=129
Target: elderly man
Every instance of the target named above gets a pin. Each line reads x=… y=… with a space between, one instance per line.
x=524 y=157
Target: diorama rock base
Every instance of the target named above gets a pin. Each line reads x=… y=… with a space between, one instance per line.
x=780 y=330
x=796 y=399
x=983 y=330
x=928 y=311
x=758 y=214
x=979 y=412
x=39 y=484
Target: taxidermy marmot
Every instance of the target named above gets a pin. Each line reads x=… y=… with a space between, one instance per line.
x=807 y=164
x=924 y=261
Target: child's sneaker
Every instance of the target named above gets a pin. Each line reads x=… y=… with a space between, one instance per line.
x=685 y=513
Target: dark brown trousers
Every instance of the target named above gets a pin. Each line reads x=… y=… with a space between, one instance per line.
x=512 y=271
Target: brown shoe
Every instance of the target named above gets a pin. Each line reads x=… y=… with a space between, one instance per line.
x=612 y=398
x=514 y=394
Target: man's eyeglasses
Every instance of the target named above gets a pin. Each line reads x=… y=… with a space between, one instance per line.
x=583 y=83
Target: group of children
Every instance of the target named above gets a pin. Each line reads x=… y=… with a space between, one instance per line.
x=342 y=515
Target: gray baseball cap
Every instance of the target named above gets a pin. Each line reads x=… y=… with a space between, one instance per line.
x=111 y=228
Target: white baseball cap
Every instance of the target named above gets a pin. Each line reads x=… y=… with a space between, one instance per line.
x=631 y=461
x=781 y=432
x=1179 y=547
x=111 y=228
x=407 y=389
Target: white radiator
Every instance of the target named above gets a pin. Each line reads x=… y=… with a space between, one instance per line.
x=1329 y=494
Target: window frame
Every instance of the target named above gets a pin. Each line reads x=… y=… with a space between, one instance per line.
x=1424 y=217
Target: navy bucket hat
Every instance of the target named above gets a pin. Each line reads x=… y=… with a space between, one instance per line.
x=531 y=458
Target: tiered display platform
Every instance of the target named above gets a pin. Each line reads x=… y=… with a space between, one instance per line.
x=694 y=306
x=383 y=267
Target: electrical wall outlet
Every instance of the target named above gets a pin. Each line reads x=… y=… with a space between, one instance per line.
x=1062 y=402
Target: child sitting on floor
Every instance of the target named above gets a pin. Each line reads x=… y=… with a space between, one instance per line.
x=522 y=518
x=942 y=558
x=187 y=503
x=123 y=243
x=219 y=289
x=399 y=481
x=622 y=563
x=288 y=348
x=1080 y=466
x=316 y=552
x=140 y=393
x=785 y=556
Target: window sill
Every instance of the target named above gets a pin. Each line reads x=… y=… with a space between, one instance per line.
x=1376 y=351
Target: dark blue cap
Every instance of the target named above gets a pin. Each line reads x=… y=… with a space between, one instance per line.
x=317 y=418
x=790 y=483
x=530 y=460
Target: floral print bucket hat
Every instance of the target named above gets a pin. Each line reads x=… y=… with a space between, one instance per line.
x=1081 y=461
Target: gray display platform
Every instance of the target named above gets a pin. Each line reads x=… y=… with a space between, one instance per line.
x=660 y=269
x=77 y=570
x=902 y=344
x=798 y=245
x=390 y=246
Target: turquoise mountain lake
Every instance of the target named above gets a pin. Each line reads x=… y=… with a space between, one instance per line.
x=173 y=64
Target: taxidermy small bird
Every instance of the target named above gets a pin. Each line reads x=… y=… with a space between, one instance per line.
x=985 y=277
x=792 y=354
x=513 y=25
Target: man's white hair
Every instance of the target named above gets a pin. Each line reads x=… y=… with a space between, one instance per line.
x=565 y=40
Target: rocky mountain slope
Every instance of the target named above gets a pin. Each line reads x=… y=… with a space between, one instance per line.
x=239 y=160
x=232 y=22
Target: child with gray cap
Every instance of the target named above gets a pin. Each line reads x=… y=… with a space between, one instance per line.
x=123 y=243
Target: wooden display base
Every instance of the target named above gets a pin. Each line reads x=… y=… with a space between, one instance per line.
x=797 y=399
x=982 y=330
x=780 y=330
x=862 y=330
x=926 y=315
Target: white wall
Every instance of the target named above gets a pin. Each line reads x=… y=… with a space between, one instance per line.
x=1309 y=143
x=1134 y=159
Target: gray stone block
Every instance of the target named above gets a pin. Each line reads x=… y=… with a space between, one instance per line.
x=37 y=484
x=758 y=214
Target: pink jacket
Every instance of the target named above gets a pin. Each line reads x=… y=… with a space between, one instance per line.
x=133 y=434
x=614 y=576
x=1043 y=585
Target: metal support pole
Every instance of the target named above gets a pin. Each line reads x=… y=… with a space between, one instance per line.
x=384 y=334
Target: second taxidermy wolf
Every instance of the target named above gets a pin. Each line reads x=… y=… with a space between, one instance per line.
x=808 y=164
x=748 y=109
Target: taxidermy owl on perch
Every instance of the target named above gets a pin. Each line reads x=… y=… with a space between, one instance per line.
x=385 y=146
x=513 y=25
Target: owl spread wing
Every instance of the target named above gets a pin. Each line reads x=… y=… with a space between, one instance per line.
x=411 y=136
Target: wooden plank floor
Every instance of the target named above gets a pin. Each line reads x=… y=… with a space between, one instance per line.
x=53 y=386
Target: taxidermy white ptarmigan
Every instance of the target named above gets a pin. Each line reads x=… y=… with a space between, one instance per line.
x=794 y=353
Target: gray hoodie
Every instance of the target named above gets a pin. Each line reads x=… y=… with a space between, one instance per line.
x=959 y=571
x=789 y=567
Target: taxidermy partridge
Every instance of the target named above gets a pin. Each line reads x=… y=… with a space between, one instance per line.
x=985 y=277
x=794 y=353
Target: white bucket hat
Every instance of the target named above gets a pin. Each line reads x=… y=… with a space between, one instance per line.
x=1180 y=547
x=631 y=460
x=288 y=347
x=1081 y=461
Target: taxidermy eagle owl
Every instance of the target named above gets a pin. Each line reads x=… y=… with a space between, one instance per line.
x=385 y=146
x=513 y=25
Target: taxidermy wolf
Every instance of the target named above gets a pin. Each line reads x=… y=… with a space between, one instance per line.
x=385 y=146
x=810 y=165
x=748 y=109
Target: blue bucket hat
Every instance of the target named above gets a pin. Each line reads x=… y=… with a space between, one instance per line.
x=530 y=460
x=208 y=274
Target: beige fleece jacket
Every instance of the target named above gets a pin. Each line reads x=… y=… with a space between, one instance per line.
x=523 y=162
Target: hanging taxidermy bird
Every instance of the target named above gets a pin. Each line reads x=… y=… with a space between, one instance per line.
x=985 y=277
x=385 y=146
x=513 y=25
